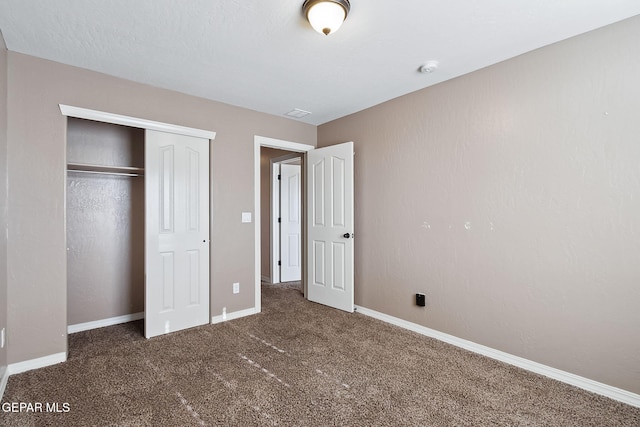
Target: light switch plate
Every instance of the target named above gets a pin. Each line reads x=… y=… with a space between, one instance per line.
x=236 y=288
x=246 y=216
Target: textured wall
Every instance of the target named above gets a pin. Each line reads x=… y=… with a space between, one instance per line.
x=105 y=223
x=36 y=153
x=510 y=197
x=3 y=197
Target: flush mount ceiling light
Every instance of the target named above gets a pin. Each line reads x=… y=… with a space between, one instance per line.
x=326 y=16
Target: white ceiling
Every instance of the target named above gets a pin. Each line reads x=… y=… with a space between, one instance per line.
x=263 y=55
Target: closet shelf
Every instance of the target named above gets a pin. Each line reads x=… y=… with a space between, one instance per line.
x=106 y=170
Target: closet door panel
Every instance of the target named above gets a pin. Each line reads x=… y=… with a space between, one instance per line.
x=193 y=186
x=167 y=185
x=168 y=285
x=177 y=214
x=194 y=277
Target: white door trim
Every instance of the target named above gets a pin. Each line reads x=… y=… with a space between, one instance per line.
x=262 y=141
x=118 y=119
x=275 y=226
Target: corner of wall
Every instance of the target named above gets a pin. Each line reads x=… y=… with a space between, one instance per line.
x=3 y=213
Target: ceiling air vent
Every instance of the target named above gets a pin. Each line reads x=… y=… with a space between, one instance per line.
x=297 y=113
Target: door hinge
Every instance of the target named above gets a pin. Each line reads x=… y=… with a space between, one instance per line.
x=279 y=177
x=279 y=262
x=279 y=219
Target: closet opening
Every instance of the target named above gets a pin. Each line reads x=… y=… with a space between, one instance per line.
x=137 y=211
x=105 y=224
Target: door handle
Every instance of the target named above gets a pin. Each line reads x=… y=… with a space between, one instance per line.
x=347 y=235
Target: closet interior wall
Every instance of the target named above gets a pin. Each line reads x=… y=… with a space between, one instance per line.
x=105 y=222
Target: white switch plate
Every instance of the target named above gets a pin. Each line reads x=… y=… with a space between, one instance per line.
x=2 y=338
x=246 y=216
x=236 y=288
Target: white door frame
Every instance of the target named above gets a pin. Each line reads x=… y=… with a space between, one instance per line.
x=262 y=141
x=275 y=210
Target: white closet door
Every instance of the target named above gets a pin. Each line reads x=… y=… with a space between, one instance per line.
x=177 y=232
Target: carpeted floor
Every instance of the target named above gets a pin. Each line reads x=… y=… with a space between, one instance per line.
x=295 y=364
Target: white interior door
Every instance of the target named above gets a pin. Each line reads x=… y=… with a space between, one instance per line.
x=290 y=223
x=330 y=226
x=177 y=232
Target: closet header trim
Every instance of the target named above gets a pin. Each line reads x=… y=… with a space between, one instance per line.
x=101 y=116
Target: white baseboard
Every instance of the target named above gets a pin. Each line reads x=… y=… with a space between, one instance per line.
x=40 y=362
x=265 y=279
x=71 y=329
x=4 y=377
x=234 y=315
x=615 y=393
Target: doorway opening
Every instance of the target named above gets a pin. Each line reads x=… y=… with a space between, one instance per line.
x=267 y=153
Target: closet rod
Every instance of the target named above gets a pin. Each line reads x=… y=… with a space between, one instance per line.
x=105 y=173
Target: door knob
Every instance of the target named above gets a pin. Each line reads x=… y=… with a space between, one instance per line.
x=346 y=235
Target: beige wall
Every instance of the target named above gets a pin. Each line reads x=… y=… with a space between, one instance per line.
x=510 y=196
x=36 y=156
x=266 y=154
x=3 y=197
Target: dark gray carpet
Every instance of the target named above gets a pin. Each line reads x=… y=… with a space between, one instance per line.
x=295 y=364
